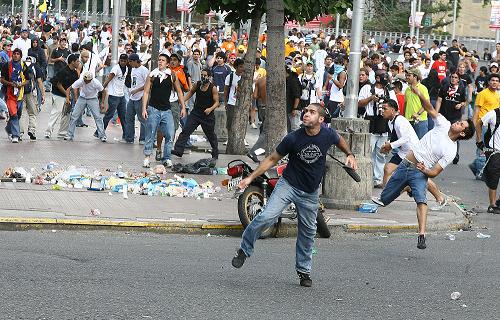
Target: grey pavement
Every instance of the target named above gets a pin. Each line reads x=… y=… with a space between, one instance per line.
x=34 y=204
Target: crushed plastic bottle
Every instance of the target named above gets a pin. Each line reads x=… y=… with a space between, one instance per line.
x=368 y=208
x=450 y=236
x=455 y=295
x=95 y=212
x=481 y=235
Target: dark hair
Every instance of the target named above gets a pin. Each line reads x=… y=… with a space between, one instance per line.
x=258 y=61
x=221 y=55
x=399 y=85
x=165 y=56
x=494 y=75
x=393 y=104
x=322 y=45
x=238 y=62
x=17 y=50
x=75 y=47
x=73 y=57
x=483 y=69
x=197 y=50
x=436 y=42
x=320 y=108
x=469 y=131
x=208 y=71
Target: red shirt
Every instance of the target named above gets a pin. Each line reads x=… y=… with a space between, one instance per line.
x=440 y=67
x=401 y=103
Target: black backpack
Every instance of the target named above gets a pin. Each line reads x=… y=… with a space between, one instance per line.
x=488 y=135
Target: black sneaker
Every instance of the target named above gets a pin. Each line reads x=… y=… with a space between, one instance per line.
x=457 y=158
x=421 y=242
x=305 y=279
x=239 y=259
x=494 y=209
x=32 y=136
x=176 y=153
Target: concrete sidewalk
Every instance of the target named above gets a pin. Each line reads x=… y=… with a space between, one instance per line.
x=25 y=206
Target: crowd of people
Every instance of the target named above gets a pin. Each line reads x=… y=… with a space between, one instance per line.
x=202 y=68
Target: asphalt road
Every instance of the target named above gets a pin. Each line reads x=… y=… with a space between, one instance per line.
x=118 y=275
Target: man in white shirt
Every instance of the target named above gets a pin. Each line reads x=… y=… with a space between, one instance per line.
x=427 y=159
x=491 y=171
x=231 y=91
x=89 y=89
x=115 y=85
x=138 y=77
x=23 y=43
x=319 y=60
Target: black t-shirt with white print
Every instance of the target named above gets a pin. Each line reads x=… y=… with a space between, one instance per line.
x=307 y=157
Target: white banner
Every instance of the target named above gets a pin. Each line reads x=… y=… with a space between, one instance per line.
x=145 y=8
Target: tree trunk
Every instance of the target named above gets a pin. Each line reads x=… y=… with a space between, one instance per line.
x=94 y=10
x=69 y=8
x=275 y=122
x=238 y=129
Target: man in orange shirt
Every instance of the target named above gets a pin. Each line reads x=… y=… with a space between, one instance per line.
x=228 y=46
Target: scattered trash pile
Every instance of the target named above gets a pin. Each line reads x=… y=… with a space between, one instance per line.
x=154 y=183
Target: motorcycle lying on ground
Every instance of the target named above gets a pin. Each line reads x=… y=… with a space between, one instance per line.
x=253 y=199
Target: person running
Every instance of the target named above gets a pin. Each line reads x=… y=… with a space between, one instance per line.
x=307 y=148
x=89 y=89
x=427 y=159
x=206 y=101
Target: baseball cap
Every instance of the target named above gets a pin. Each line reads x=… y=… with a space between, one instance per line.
x=24 y=30
x=88 y=76
x=241 y=47
x=494 y=64
x=232 y=55
x=134 y=57
x=310 y=62
x=415 y=72
x=123 y=56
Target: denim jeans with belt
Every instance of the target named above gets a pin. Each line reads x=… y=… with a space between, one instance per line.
x=307 y=208
x=406 y=174
x=163 y=121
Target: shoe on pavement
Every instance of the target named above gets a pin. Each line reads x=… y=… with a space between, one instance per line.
x=104 y=139
x=246 y=143
x=421 y=242
x=253 y=125
x=377 y=201
x=82 y=125
x=379 y=186
x=158 y=155
x=440 y=205
x=146 y=163
x=96 y=135
x=15 y=140
x=167 y=163
x=239 y=259
x=47 y=135
x=176 y=153
x=493 y=209
x=225 y=143
x=32 y=136
x=253 y=156
x=68 y=138
x=305 y=279
x=456 y=159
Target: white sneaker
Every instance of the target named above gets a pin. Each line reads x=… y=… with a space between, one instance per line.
x=225 y=143
x=47 y=135
x=167 y=163
x=104 y=139
x=146 y=163
x=253 y=126
x=15 y=140
x=440 y=206
x=246 y=143
x=377 y=201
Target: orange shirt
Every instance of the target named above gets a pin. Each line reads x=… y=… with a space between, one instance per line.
x=229 y=46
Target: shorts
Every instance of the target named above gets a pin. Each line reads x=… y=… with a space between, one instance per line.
x=491 y=172
x=396 y=159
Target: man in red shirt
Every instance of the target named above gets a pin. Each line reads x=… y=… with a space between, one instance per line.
x=440 y=65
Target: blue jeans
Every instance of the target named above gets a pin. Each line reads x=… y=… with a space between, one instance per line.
x=307 y=208
x=164 y=121
x=134 y=107
x=79 y=109
x=116 y=104
x=406 y=175
x=421 y=128
x=13 y=128
x=480 y=160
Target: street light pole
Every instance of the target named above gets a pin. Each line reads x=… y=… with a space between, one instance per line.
x=86 y=10
x=337 y=25
x=351 y=109
x=454 y=19
x=413 y=16
x=25 y=14
x=114 y=35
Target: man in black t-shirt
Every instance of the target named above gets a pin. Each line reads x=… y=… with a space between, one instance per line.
x=61 y=98
x=306 y=148
x=59 y=55
x=453 y=53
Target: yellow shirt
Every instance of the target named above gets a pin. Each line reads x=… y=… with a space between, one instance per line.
x=487 y=100
x=413 y=103
x=264 y=52
x=289 y=49
x=260 y=73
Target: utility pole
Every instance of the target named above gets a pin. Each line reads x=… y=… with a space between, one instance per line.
x=413 y=16
x=25 y=14
x=155 y=17
x=454 y=19
x=114 y=35
x=351 y=104
x=337 y=25
x=419 y=8
x=497 y=36
x=86 y=10
x=12 y=8
x=182 y=20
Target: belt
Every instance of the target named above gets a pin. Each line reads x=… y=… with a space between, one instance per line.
x=408 y=163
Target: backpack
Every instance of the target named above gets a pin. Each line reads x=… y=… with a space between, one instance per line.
x=488 y=135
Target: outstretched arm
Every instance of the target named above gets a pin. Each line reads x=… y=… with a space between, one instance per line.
x=426 y=104
x=265 y=165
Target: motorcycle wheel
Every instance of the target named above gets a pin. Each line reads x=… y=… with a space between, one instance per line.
x=321 y=226
x=250 y=204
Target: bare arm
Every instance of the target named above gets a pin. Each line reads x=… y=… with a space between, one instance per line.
x=190 y=93
x=108 y=79
x=431 y=173
x=145 y=98
x=438 y=104
x=265 y=165
x=426 y=104
x=340 y=82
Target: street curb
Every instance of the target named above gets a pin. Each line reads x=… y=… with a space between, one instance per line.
x=462 y=221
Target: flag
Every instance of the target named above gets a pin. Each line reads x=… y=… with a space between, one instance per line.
x=42 y=7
